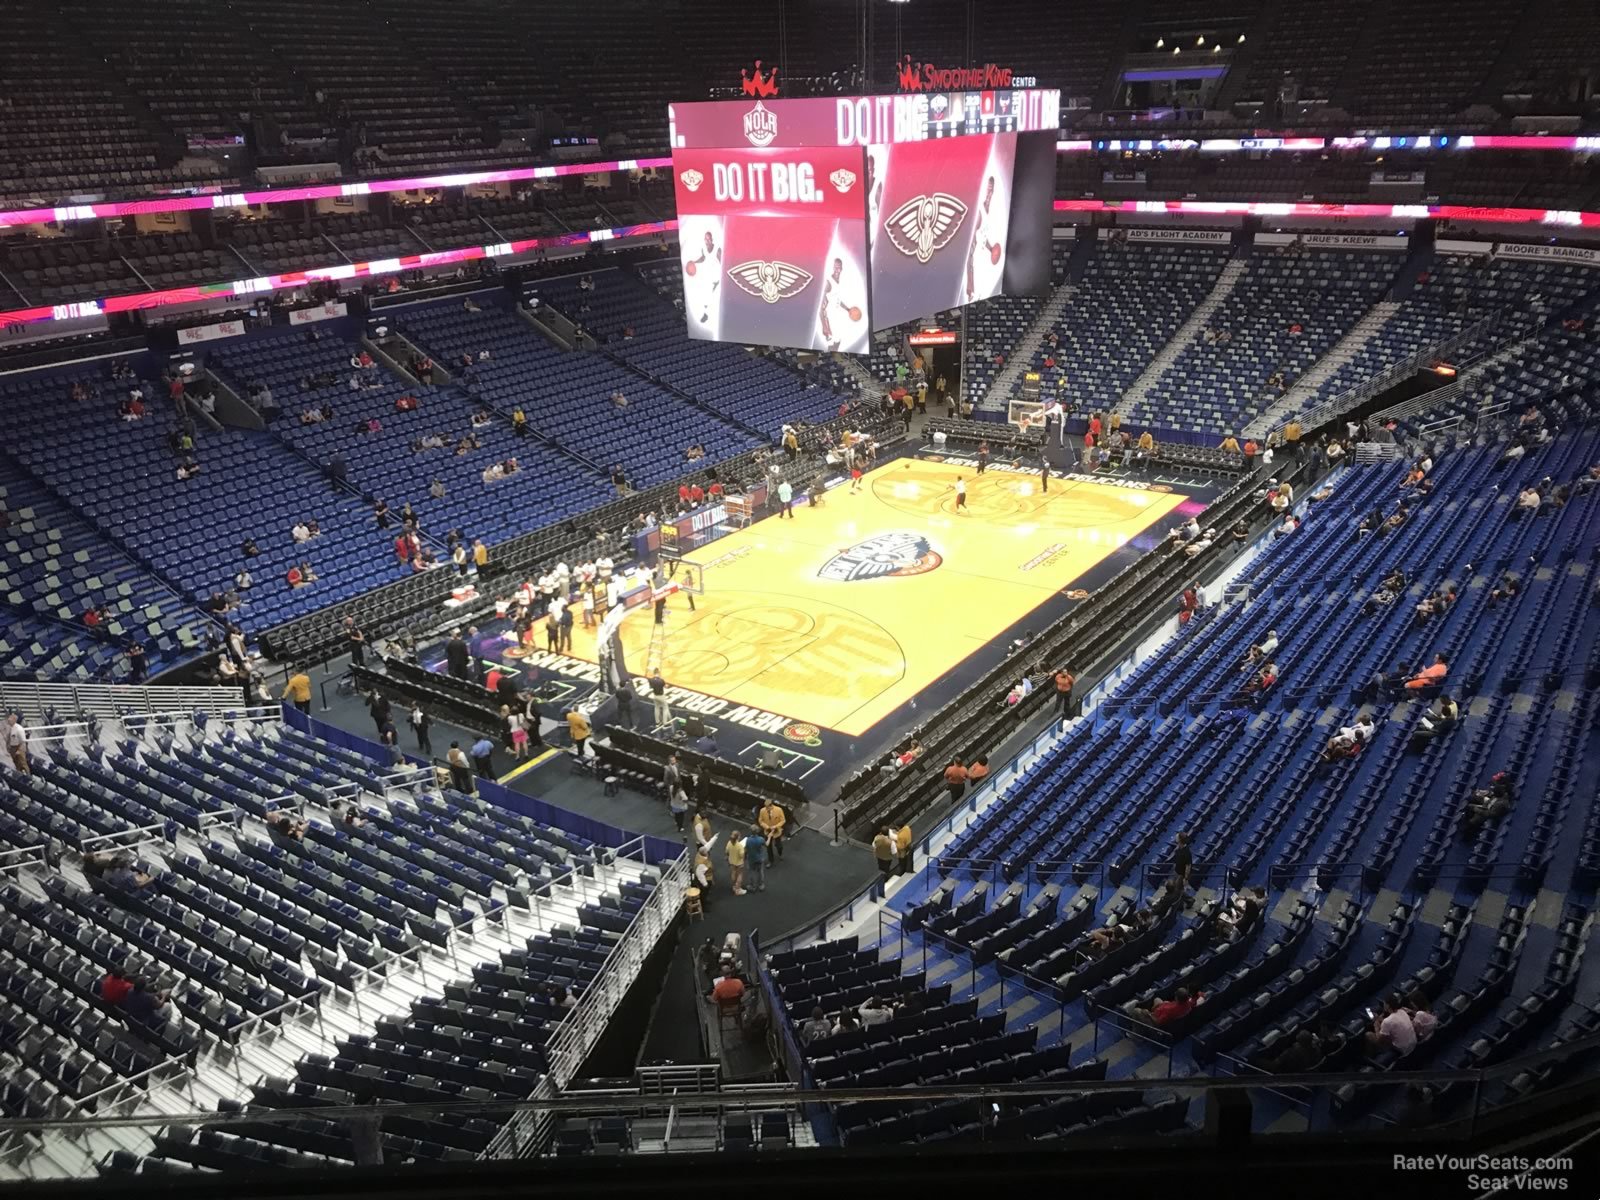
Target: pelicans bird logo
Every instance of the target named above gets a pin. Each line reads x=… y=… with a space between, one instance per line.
x=772 y=281
x=924 y=224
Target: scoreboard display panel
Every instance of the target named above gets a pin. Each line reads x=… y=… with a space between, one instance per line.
x=812 y=222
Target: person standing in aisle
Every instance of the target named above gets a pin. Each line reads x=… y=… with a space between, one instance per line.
x=735 y=853
x=357 y=641
x=1065 y=682
x=786 y=499
x=483 y=758
x=420 y=724
x=883 y=850
x=658 y=699
x=456 y=655
x=578 y=727
x=17 y=741
x=625 y=705
x=533 y=722
x=771 y=819
x=297 y=691
x=378 y=709
x=460 y=769
x=755 y=859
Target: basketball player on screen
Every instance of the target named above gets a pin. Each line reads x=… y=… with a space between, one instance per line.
x=707 y=267
x=875 y=171
x=836 y=306
x=981 y=241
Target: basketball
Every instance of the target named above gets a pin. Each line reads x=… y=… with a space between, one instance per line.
x=688 y=268
x=855 y=313
x=994 y=253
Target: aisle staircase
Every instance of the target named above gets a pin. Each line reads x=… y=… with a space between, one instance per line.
x=855 y=366
x=1187 y=332
x=1021 y=354
x=1303 y=392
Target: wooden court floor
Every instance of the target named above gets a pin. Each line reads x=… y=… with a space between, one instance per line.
x=849 y=610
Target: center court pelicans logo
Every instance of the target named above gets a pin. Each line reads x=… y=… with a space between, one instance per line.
x=898 y=553
x=843 y=180
x=772 y=281
x=924 y=224
x=760 y=126
x=692 y=179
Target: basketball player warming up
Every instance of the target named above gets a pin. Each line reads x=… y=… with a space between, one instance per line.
x=959 y=487
x=712 y=254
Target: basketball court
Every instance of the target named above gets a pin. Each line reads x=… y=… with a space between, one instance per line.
x=849 y=610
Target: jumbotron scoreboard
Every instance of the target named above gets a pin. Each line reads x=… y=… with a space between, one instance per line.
x=812 y=222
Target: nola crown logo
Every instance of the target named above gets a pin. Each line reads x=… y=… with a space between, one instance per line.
x=759 y=85
x=843 y=180
x=691 y=179
x=760 y=126
x=772 y=281
x=924 y=224
x=888 y=554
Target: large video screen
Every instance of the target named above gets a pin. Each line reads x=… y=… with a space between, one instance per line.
x=810 y=223
x=954 y=221
x=773 y=245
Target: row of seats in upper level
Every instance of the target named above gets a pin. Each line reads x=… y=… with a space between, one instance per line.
x=570 y=396
x=55 y=572
x=1454 y=294
x=1285 y=311
x=306 y=80
x=1131 y=300
x=120 y=477
x=384 y=463
x=753 y=391
x=88 y=264
x=929 y=1040
x=237 y=916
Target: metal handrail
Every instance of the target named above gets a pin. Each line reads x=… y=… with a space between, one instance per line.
x=567 y=1046
x=90 y=844
x=582 y=1102
x=253 y=1029
x=112 y=700
x=1355 y=396
x=26 y=856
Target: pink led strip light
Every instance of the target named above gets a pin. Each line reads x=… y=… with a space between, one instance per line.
x=1548 y=217
x=240 y=289
x=317 y=191
x=1419 y=142
x=1553 y=217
